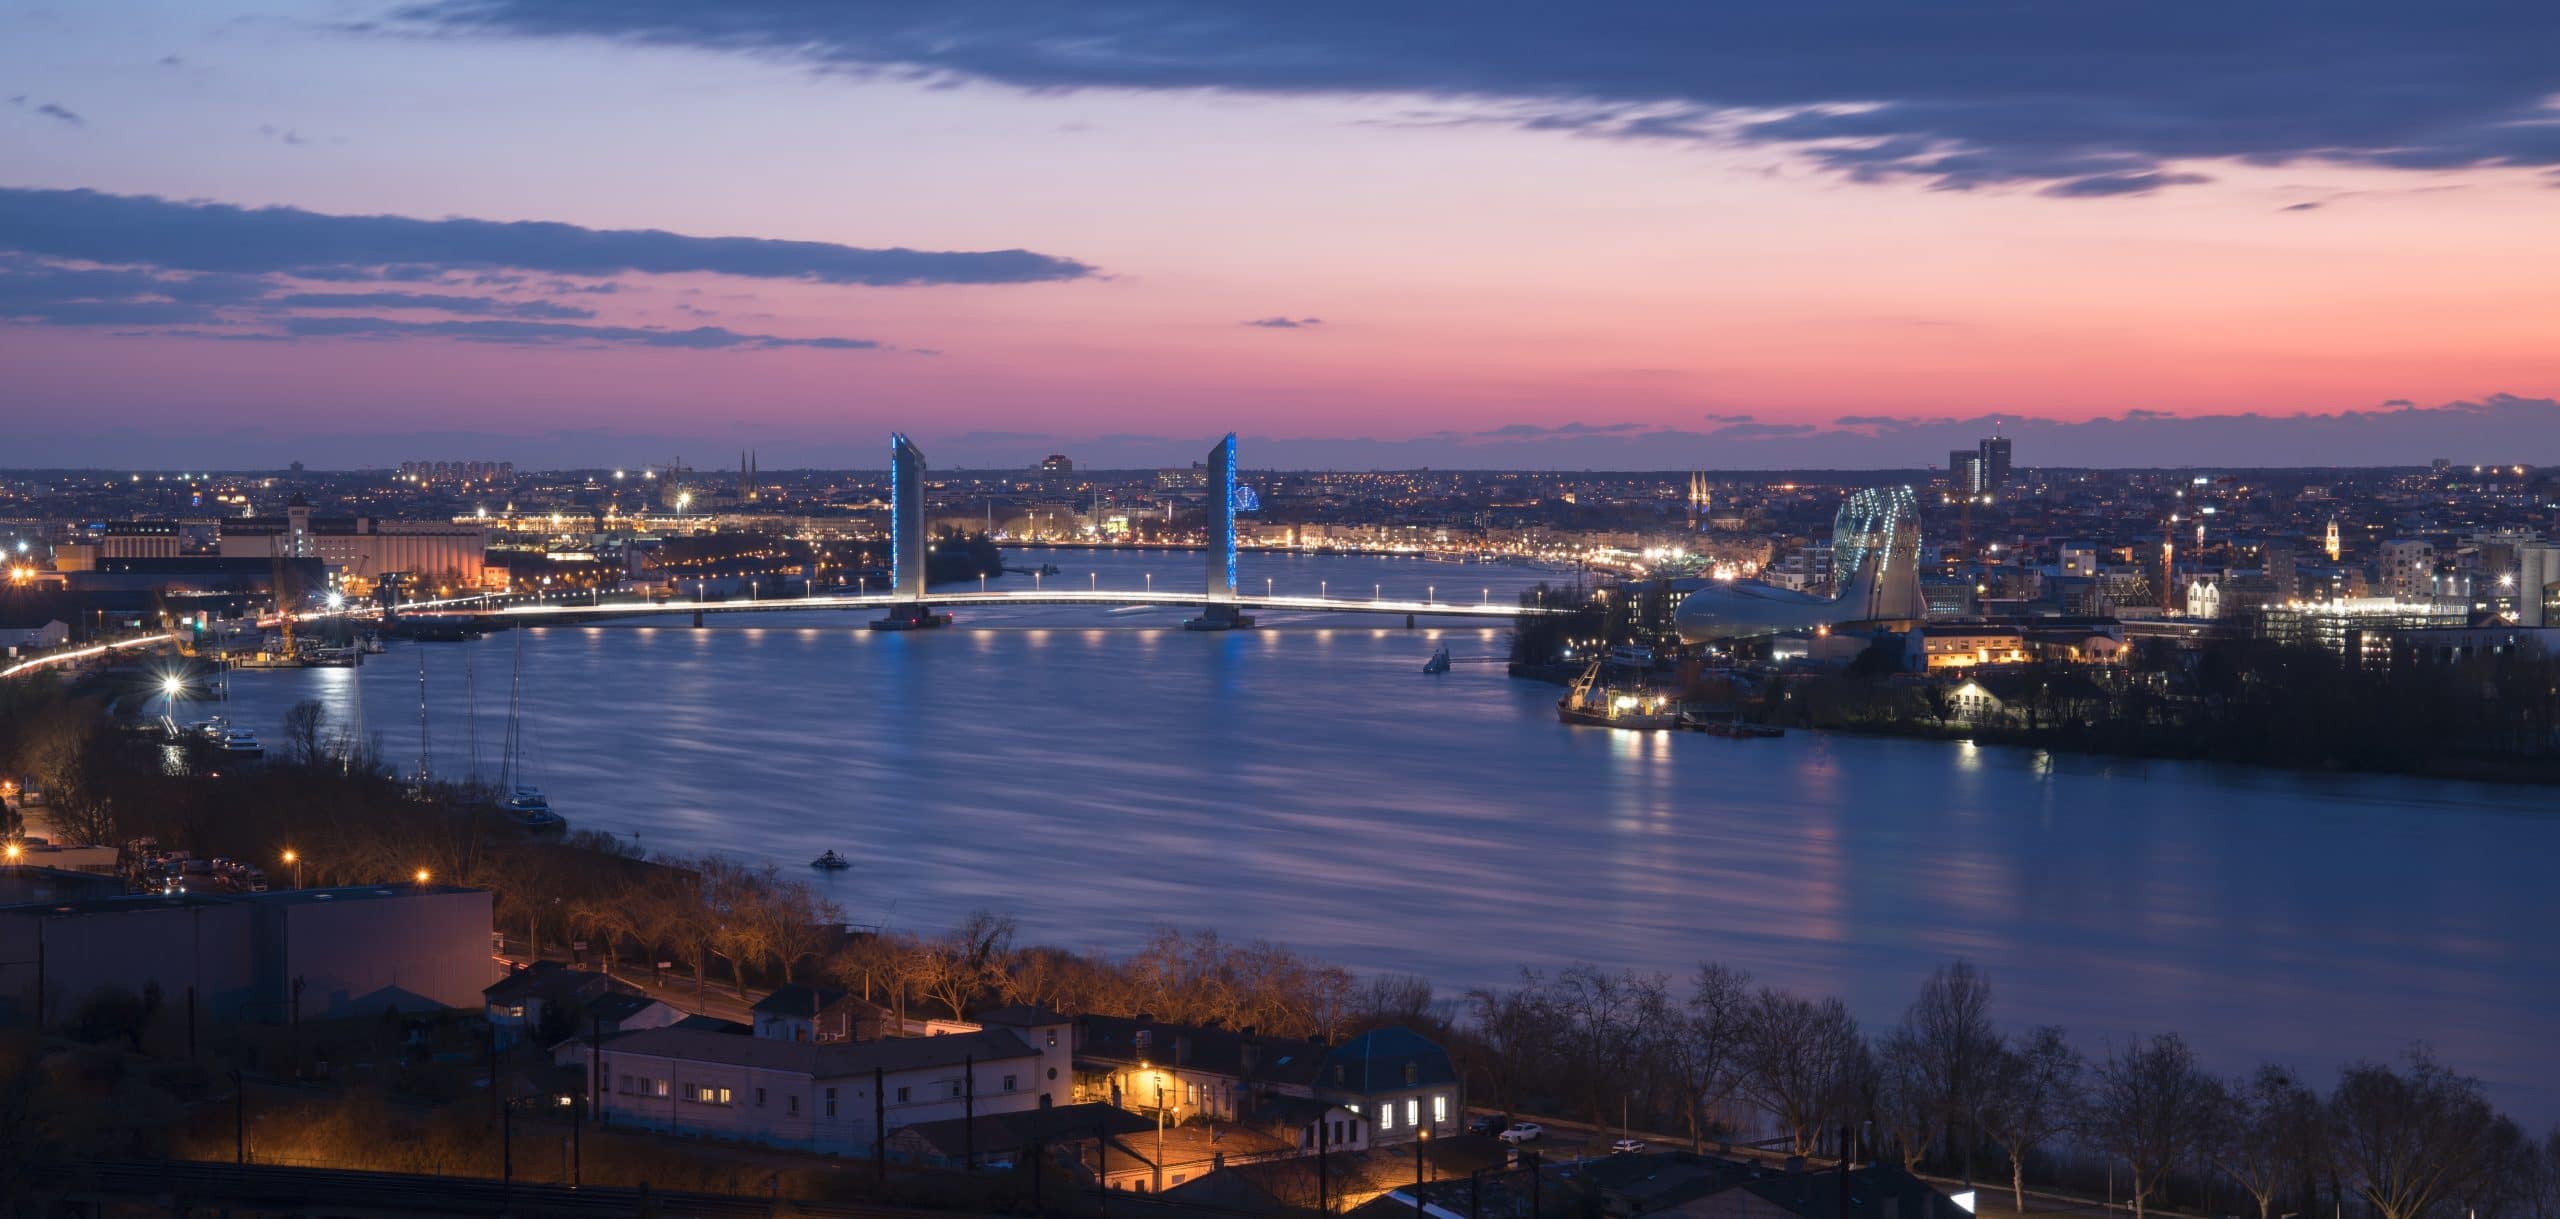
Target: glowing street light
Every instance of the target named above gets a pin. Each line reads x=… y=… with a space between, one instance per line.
x=294 y=858
x=422 y=877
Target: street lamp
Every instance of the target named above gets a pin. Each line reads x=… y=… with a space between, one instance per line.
x=422 y=877
x=294 y=858
x=1420 y=1170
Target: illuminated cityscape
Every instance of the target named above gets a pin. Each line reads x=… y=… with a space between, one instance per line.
x=1524 y=612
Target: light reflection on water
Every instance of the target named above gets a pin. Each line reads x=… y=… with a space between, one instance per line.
x=1309 y=784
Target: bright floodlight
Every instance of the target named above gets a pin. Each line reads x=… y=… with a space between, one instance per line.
x=172 y=684
x=337 y=600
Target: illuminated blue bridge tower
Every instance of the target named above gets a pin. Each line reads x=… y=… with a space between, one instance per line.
x=906 y=541
x=1225 y=492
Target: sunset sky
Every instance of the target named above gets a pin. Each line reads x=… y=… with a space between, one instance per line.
x=1454 y=234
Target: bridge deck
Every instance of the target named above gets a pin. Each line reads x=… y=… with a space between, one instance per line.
x=1101 y=597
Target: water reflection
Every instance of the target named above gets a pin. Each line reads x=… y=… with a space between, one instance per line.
x=1308 y=783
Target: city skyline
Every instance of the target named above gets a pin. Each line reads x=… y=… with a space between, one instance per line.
x=561 y=233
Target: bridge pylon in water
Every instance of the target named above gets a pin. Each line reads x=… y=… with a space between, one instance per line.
x=907 y=542
x=1222 y=613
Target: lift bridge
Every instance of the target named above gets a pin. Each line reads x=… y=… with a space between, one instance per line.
x=908 y=605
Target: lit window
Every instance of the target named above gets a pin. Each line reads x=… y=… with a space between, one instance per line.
x=1439 y=1108
x=1386 y=1117
x=1413 y=1111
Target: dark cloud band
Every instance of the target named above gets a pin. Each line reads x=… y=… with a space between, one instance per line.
x=2092 y=99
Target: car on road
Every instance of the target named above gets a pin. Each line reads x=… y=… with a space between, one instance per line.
x=1626 y=1147
x=1521 y=1132
x=1488 y=1124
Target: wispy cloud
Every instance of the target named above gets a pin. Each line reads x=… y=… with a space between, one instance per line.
x=143 y=230
x=486 y=306
x=51 y=110
x=193 y=269
x=699 y=338
x=1286 y=323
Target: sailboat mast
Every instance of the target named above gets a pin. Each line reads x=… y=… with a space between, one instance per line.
x=471 y=711
x=508 y=779
x=425 y=752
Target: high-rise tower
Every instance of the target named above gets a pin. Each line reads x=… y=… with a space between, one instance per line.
x=1992 y=458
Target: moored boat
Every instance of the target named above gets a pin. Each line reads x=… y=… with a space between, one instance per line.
x=1593 y=702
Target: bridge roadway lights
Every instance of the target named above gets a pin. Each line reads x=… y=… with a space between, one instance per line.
x=912 y=616
x=1219 y=616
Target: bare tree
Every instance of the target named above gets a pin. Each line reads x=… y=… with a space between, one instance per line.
x=2270 y=1128
x=1954 y=1050
x=1908 y=1099
x=2034 y=1095
x=1518 y=1033
x=1801 y=1061
x=1702 y=1048
x=962 y=965
x=63 y=754
x=305 y=725
x=2408 y=1142
x=2152 y=1108
x=1392 y=999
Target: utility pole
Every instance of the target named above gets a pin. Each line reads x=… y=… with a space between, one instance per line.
x=969 y=1109
x=879 y=1126
x=1324 y=1147
x=1101 y=1168
x=595 y=1067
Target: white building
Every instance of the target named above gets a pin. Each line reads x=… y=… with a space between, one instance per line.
x=832 y=1098
x=2409 y=570
x=2204 y=599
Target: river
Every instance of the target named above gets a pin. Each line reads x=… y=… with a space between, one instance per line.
x=1098 y=773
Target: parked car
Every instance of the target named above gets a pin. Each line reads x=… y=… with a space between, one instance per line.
x=1626 y=1147
x=1521 y=1132
x=1490 y=1123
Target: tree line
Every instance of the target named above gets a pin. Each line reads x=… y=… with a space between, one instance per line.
x=1945 y=1089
